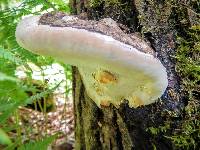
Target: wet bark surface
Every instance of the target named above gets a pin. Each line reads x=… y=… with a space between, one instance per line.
x=127 y=128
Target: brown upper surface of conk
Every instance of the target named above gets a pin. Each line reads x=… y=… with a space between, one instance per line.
x=106 y=26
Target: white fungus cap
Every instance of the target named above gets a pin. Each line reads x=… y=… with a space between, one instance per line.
x=111 y=70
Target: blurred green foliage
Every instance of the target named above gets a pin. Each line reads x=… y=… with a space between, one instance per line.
x=4 y=139
x=12 y=90
x=40 y=144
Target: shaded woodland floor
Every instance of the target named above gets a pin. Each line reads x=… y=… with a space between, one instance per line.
x=35 y=125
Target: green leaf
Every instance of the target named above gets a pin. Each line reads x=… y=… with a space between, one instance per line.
x=11 y=90
x=9 y=56
x=38 y=145
x=4 y=138
x=3 y=77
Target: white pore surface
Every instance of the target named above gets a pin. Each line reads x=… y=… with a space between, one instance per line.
x=140 y=77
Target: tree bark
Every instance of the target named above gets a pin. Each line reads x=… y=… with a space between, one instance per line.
x=158 y=22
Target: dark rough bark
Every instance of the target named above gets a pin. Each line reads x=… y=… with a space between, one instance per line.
x=125 y=128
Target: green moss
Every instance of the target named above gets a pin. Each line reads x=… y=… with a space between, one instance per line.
x=153 y=15
x=97 y=3
x=188 y=61
x=186 y=134
x=188 y=67
x=117 y=5
x=123 y=12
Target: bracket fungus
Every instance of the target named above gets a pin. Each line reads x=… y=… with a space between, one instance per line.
x=114 y=66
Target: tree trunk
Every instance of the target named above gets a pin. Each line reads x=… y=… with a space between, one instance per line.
x=158 y=22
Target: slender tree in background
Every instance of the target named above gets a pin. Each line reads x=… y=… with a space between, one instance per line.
x=166 y=25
